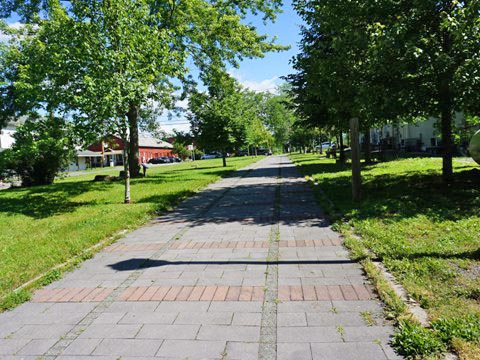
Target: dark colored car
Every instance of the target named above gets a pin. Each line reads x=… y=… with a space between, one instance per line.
x=264 y=152
x=160 y=160
x=242 y=153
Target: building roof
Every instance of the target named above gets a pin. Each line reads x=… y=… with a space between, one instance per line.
x=149 y=141
x=88 y=153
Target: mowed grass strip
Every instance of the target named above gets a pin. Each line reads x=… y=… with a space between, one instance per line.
x=425 y=232
x=44 y=226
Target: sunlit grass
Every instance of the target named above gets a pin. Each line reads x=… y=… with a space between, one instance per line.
x=43 y=226
x=427 y=233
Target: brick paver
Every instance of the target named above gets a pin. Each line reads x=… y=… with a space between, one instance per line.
x=247 y=269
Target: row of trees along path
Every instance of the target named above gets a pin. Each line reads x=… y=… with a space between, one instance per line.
x=386 y=61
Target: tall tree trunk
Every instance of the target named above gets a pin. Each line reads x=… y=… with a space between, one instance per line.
x=224 y=158
x=446 y=118
x=126 y=168
x=133 y=157
x=446 y=106
x=447 y=151
x=368 y=148
x=342 y=150
x=103 y=153
x=356 y=170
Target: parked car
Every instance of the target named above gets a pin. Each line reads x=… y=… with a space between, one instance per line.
x=208 y=156
x=176 y=159
x=264 y=152
x=154 y=161
x=212 y=155
x=160 y=160
x=242 y=153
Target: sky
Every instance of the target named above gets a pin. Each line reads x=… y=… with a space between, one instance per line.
x=262 y=74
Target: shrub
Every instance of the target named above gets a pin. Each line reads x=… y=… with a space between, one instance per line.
x=198 y=153
x=413 y=340
x=5 y=160
x=42 y=148
x=181 y=151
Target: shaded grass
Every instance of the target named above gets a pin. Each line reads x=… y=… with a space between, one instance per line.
x=425 y=232
x=44 y=226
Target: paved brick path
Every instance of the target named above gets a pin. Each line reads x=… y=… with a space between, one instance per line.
x=248 y=269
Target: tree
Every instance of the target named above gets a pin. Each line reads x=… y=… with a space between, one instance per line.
x=181 y=151
x=257 y=135
x=279 y=116
x=108 y=60
x=217 y=117
x=43 y=147
x=431 y=47
x=138 y=47
x=330 y=75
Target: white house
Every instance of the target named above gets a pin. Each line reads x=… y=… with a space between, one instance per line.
x=420 y=136
x=6 y=135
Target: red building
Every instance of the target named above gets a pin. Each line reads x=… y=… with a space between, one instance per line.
x=149 y=148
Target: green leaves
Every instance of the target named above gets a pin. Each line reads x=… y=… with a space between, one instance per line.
x=99 y=58
x=43 y=147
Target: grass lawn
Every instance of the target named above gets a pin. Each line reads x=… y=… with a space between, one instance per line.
x=426 y=233
x=44 y=226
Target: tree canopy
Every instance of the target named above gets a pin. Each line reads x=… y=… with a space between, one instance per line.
x=106 y=61
x=387 y=60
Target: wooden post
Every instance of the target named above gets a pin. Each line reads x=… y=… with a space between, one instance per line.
x=356 y=172
x=103 y=154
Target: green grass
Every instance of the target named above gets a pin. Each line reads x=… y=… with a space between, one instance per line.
x=44 y=226
x=426 y=233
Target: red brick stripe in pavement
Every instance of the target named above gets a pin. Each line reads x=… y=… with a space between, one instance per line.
x=180 y=245
x=208 y=293
x=324 y=293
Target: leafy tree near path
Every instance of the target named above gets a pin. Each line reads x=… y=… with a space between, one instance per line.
x=431 y=49
x=106 y=60
x=218 y=116
x=279 y=117
x=331 y=80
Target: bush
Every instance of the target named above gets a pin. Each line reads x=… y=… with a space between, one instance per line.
x=5 y=160
x=413 y=340
x=198 y=154
x=42 y=148
x=181 y=151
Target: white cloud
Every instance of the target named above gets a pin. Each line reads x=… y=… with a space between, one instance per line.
x=179 y=127
x=182 y=104
x=5 y=37
x=16 y=25
x=267 y=85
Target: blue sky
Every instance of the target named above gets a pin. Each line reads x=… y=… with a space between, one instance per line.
x=264 y=71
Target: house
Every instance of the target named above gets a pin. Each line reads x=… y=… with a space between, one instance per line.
x=6 y=134
x=151 y=148
x=85 y=159
x=148 y=148
x=110 y=152
x=421 y=136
